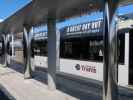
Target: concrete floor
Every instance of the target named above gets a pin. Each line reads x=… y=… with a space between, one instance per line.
x=17 y=88
x=12 y=81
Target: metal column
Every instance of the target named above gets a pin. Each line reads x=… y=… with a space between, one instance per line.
x=32 y=50
x=53 y=50
x=110 y=89
x=8 y=49
x=27 y=37
x=12 y=46
x=5 y=49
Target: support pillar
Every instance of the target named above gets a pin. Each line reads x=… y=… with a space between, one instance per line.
x=5 y=50
x=12 y=46
x=8 y=49
x=110 y=88
x=27 y=37
x=32 y=51
x=53 y=50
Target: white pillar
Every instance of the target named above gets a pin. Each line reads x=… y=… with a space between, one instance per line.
x=53 y=55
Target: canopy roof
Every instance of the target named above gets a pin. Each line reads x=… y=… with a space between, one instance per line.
x=37 y=12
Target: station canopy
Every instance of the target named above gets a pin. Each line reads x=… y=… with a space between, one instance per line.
x=38 y=11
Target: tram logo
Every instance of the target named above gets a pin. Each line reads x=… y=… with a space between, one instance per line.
x=85 y=68
x=77 y=67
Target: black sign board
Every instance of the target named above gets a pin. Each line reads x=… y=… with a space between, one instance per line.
x=89 y=28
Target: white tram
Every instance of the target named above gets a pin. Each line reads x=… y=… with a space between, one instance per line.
x=81 y=51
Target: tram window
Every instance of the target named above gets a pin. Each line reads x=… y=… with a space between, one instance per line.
x=88 y=48
x=40 y=48
x=70 y=48
x=121 y=49
x=95 y=50
x=82 y=48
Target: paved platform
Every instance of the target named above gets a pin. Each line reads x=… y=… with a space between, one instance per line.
x=68 y=88
x=16 y=87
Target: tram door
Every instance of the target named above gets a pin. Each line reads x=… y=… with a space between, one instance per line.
x=131 y=58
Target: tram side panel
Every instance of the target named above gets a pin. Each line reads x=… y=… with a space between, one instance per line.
x=81 y=52
x=87 y=68
x=92 y=67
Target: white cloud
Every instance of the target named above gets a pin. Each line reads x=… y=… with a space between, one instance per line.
x=1 y=20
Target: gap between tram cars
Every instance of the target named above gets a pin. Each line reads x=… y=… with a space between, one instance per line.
x=81 y=51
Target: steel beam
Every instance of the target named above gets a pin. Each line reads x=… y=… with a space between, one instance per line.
x=110 y=88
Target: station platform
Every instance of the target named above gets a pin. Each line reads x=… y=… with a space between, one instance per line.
x=13 y=84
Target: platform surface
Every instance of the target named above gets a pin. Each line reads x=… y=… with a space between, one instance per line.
x=16 y=87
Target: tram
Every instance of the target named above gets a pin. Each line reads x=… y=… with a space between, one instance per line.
x=81 y=51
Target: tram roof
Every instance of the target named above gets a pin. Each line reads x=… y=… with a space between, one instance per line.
x=37 y=12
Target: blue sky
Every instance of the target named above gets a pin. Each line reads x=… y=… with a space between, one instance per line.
x=94 y=16
x=8 y=7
